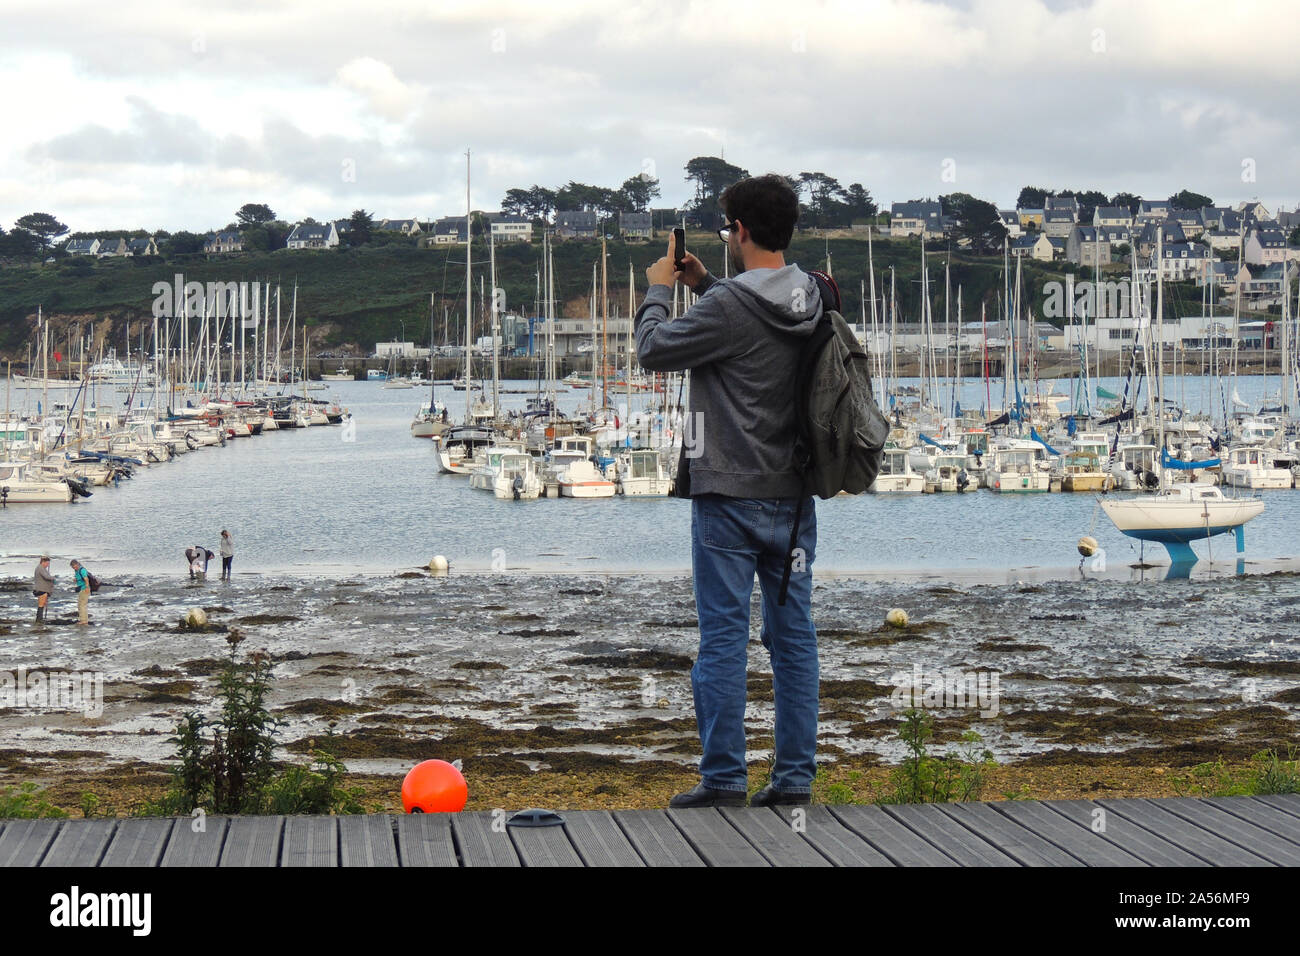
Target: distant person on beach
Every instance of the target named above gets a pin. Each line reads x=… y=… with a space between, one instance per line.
x=227 y=548
x=42 y=586
x=81 y=579
x=191 y=553
x=742 y=341
x=198 y=567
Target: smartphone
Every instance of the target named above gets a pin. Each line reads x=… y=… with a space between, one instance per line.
x=679 y=249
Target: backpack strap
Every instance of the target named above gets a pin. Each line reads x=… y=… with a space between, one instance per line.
x=794 y=539
x=830 y=297
x=830 y=292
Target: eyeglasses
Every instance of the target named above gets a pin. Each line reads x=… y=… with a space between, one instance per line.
x=725 y=232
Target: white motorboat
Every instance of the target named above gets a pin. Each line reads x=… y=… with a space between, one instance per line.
x=341 y=375
x=948 y=473
x=582 y=479
x=1254 y=467
x=896 y=476
x=640 y=473
x=1017 y=466
x=20 y=485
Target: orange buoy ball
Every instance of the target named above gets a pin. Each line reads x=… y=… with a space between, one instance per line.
x=434 y=786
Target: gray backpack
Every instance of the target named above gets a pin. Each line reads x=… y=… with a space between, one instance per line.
x=840 y=430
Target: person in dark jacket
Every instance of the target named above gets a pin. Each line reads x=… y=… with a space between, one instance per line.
x=42 y=586
x=741 y=341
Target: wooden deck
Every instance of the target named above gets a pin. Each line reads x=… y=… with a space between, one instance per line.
x=1231 y=831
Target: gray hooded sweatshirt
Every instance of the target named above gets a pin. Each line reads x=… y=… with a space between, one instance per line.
x=741 y=341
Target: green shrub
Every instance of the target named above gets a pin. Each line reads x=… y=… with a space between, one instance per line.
x=25 y=802
x=925 y=778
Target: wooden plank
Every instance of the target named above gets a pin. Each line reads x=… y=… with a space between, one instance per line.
x=479 y=844
x=1286 y=802
x=1254 y=839
x=1072 y=836
x=1022 y=845
x=658 y=842
x=716 y=841
x=599 y=841
x=1261 y=814
x=188 y=848
x=425 y=839
x=310 y=841
x=139 y=842
x=24 y=842
x=832 y=839
x=1153 y=848
x=253 y=841
x=890 y=837
x=367 y=840
x=1190 y=837
x=80 y=843
x=962 y=844
x=774 y=836
x=544 y=846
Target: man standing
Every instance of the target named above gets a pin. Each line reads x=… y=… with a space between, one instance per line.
x=82 y=582
x=227 y=554
x=742 y=342
x=43 y=586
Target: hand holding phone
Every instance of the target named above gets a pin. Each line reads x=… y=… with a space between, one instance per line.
x=679 y=249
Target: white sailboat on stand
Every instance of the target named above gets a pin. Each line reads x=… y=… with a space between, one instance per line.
x=1176 y=516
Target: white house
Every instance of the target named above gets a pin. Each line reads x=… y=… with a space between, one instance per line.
x=924 y=218
x=314 y=235
x=111 y=248
x=81 y=247
x=1184 y=260
x=506 y=228
x=407 y=227
x=223 y=242
x=1264 y=246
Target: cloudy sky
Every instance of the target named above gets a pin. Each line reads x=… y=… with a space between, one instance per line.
x=170 y=116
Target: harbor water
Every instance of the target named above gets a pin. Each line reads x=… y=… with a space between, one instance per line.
x=370 y=498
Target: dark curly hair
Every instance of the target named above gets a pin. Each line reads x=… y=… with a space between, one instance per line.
x=767 y=206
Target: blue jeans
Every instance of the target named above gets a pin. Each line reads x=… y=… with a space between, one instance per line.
x=732 y=539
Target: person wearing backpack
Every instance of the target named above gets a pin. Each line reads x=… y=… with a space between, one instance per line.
x=750 y=505
x=81 y=581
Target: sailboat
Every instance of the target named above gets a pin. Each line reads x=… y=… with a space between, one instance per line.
x=430 y=420
x=1177 y=515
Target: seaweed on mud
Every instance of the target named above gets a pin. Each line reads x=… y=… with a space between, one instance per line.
x=540 y=632
x=1005 y=646
x=687 y=625
x=1248 y=668
x=478 y=666
x=268 y=619
x=321 y=707
x=850 y=689
x=653 y=659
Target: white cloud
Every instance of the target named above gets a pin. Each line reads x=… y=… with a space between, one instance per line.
x=175 y=115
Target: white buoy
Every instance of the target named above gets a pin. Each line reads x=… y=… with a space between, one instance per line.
x=195 y=618
x=438 y=565
x=1088 y=546
x=897 y=617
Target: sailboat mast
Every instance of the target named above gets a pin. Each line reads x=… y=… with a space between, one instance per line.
x=496 y=333
x=604 y=327
x=469 y=307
